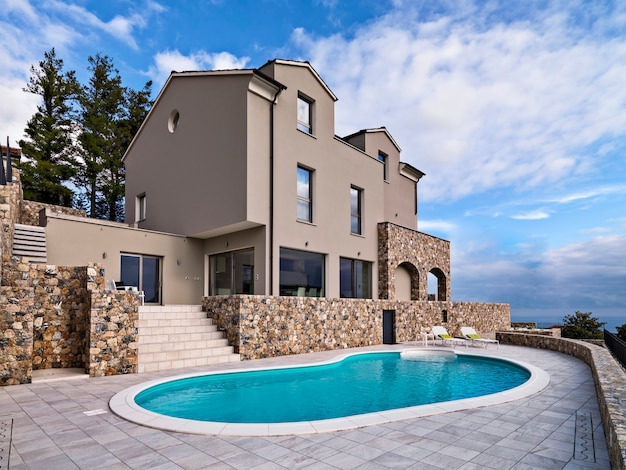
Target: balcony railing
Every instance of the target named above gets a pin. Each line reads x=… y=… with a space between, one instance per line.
x=616 y=346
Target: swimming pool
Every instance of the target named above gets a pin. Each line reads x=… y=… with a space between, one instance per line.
x=354 y=390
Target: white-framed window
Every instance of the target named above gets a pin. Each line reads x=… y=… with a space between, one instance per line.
x=305 y=114
x=305 y=194
x=140 y=208
x=356 y=210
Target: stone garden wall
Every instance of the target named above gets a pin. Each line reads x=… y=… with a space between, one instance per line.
x=61 y=317
x=29 y=214
x=259 y=326
x=609 y=378
x=16 y=335
x=10 y=196
x=113 y=328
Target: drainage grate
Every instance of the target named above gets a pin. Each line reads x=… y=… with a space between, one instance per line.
x=6 y=429
x=99 y=411
x=583 y=443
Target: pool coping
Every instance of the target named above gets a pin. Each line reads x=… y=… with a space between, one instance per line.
x=123 y=404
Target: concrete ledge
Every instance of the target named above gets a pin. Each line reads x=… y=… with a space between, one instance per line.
x=608 y=375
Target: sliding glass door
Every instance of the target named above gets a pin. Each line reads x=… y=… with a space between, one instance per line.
x=144 y=273
x=232 y=273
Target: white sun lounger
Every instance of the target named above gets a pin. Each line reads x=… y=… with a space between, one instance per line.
x=470 y=333
x=441 y=333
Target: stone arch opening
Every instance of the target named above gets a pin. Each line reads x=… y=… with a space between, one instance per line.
x=438 y=291
x=406 y=282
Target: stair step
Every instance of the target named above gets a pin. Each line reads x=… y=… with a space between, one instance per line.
x=29 y=242
x=29 y=228
x=177 y=336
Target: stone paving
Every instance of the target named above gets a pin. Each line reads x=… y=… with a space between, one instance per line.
x=66 y=424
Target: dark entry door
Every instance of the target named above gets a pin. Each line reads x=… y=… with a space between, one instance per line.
x=389 y=327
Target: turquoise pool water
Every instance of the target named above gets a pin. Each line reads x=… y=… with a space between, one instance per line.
x=358 y=384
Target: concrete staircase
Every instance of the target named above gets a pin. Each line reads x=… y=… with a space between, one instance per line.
x=30 y=241
x=177 y=336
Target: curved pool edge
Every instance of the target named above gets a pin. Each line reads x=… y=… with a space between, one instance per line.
x=123 y=405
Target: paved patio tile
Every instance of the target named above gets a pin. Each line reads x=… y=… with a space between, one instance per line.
x=51 y=430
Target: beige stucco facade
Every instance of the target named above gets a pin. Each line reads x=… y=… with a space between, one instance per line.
x=226 y=146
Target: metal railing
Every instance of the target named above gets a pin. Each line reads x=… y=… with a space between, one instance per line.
x=6 y=177
x=616 y=346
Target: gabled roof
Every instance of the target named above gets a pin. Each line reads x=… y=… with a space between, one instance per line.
x=371 y=131
x=306 y=64
x=202 y=73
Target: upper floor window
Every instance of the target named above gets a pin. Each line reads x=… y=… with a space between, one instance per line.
x=384 y=158
x=305 y=194
x=305 y=114
x=356 y=196
x=141 y=207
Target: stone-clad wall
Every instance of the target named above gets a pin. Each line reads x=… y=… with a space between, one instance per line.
x=423 y=253
x=16 y=335
x=10 y=195
x=609 y=378
x=113 y=328
x=29 y=214
x=61 y=317
x=60 y=311
x=259 y=326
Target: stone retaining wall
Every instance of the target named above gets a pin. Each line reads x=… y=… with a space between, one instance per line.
x=609 y=378
x=260 y=326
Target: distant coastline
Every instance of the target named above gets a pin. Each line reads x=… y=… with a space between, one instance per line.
x=613 y=317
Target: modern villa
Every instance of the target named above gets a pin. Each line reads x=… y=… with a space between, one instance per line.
x=241 y=199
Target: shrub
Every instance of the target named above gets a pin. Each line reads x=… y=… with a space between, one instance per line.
x=582 y=325
x=621 y=332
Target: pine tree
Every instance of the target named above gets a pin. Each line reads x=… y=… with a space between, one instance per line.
x=109 y=115
x=48 y=146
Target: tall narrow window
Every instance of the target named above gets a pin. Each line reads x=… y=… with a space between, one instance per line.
x=305 y=194
x=356 y=196
x=384 y=158
x=141 y=207
x=305 y=114
x=355 y=278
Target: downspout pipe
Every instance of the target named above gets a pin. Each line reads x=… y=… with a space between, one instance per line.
x=271 y=228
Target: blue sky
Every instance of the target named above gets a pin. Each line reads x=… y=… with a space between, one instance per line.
x=515 y=110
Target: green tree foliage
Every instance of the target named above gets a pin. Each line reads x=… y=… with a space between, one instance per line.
x=621 y=332
x=48 y=151
x=108 y=117
x=582 y=325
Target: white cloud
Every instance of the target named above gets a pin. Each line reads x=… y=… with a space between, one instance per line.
x=437 y=226
x=480 y=104
x=119 y=27
x=591 y=273
x=534 y=215
x=169 y=61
